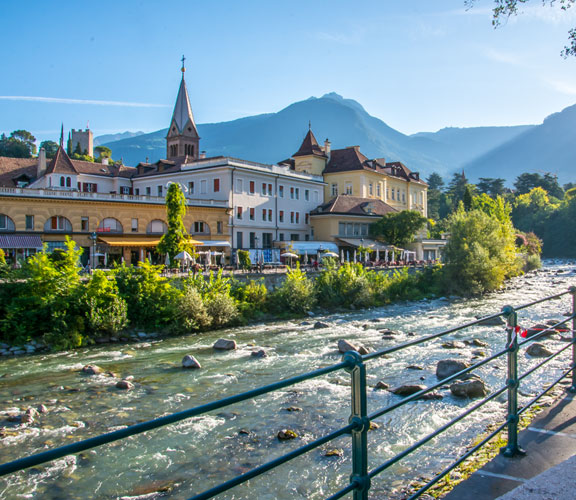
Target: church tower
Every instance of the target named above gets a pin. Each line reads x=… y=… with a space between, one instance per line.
x=182 y=140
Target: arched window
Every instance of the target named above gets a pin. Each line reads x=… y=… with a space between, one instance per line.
x=110 y=225
x=62 y=182
x=200 y=227
x=156 y=226
x=6 y=223
x=68 y=182
x=58 y=223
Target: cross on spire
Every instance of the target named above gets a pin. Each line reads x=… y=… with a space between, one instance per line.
x=183 y=67
x=309 y=125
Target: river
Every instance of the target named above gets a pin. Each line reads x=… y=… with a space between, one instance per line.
x=191 y=456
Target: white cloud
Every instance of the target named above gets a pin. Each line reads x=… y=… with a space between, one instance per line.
x=59 y=100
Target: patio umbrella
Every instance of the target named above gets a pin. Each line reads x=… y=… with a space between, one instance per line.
x=347 y=255
x=342 y=256
x=330 y=254
x=167 y=261
x=183 y=256
x=367 y=257
x=377 y=255
x=290 y=256
x=354 y=256
x=305 y=260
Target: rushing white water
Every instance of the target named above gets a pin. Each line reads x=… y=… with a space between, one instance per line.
x=193 y=455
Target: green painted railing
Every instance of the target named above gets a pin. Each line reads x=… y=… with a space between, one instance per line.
x=359 y=421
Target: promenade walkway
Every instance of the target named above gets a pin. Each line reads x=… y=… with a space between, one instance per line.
x=546 y=472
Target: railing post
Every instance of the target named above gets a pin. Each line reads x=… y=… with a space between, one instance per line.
x=512 y=448
x=358 y=416
x=572 y=388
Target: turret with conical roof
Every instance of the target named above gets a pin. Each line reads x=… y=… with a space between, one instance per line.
x=310 y=158
x=182 y=140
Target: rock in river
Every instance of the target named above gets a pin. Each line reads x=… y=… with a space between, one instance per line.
x=320 y=324
x=125 y=385
x=469 y=389
x=190 y=361
x=259 y=354
x=538 y=351
x=407 y=390
x=91 y=370
x=447 y=367
x=225 y=345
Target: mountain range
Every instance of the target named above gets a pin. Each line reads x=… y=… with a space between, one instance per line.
x=504 y=152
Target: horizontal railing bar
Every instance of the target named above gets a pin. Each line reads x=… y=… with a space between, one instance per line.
x=351 y=487
x=533 y=400
x=448 y=469
x=257 y=471
x=547 y=360
x=419 y=394
x=432 y=435
x=550 y=329
x=86 y=444
x=551 y=297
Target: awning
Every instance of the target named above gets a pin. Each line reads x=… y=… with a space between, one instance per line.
x=20 y=241
x=365 y=242
x=309 y=247
x=123 y=241
x=213 y=243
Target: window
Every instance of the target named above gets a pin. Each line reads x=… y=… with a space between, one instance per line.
x=263 y=189
x=297 y=217
x=191 y=187
x=341 y=229
x=264 y=212
x=30 y=222
x=281 y=216
x=307 y=237
x=421 y=198
x=156 y=226
x=348 y=188
x=239 y=213
x=134 y=225
x=62 y=181
x=364 y=229
x=6 y=223
x=307 y=219
x=203 y=186
x=252 y=187
x=252 y=240
x=239 y=243
x=90 y=187
x=216 y=185
x=68 y=182
x=315 y=196
x=307 y=194
x=295 y=237
x=219 y=227
x=291 y=217
x=239 y=185
x=378 y=190
x=291 y=193
x=281 y=236
x=334 y=189
x=269 y=215
x=370 y=189
x=393 y=193
x=137 y=191
x=266 y=240
x=297 y=193
x=270 y=190
x=124 y=190
x=159 y=188
x=110 y=225
x=251 y=211
x=58 y=223
x=200 y=227
x=148 y=191
x=403 y=196
x=84 y=223
x=281 y=191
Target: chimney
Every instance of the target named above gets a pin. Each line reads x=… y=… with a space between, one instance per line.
x=104 y=161
x=202 y=155
x=327 y=148
x=41 y=167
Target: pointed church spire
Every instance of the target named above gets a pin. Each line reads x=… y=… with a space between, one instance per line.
x=62 y=136
x=309 y=145
x=182 y=139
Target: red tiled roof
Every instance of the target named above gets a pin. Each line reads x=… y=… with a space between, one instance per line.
x=310 y=146
x=12 y=168
x=61 y=163
x=354 y=205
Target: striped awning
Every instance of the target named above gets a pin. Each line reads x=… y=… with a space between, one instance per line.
x=20 y=241
x=123 y=241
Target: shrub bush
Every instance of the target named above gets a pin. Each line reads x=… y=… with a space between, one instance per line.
x=106 y=311
x=296 y=294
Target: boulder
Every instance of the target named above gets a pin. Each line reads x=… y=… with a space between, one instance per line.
x=345 y=346
x=225 y=345
x=334 y=452
x=42 y=409
x=382 y=385
x=286 y=434
x=320 y=324
x=431 y=396
x=125 y=385
x=539 y=328
x=407 y=390
x=387 y=331
x=190 y=361
x=414 y=367
x=469 y=389
x=497 y=321
x=259 y=354
x=476 y=343
x=362 y=350
x=538 y=351
x=91 y=370
x=447 y=367
x=453 y=344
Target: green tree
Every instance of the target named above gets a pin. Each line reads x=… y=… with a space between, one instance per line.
x=503 y=9
x=527 y=181
x=531 y=210
x=435 y=195
x=20 y=144
x=480 y=253
x=491 y=186
x=457 y=188
x=103 y=152
x=435 y=182
x=50 y=147
x=176 y=239
x=467 y=197
x=398 y=228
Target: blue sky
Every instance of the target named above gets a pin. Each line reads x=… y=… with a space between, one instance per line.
x=419 y=65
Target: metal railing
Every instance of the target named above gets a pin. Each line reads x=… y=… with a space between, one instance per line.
x=359 y=421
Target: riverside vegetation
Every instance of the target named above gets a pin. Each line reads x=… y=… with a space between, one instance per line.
x=47 y=300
